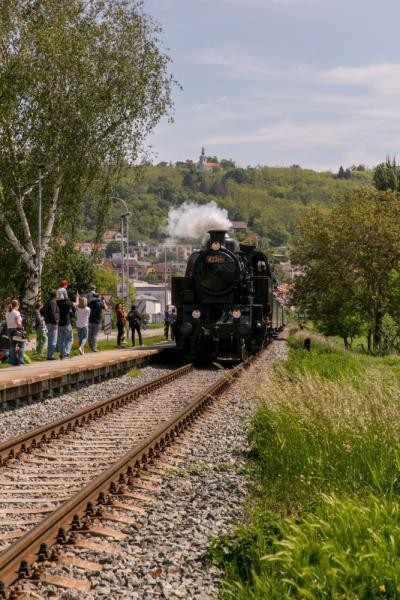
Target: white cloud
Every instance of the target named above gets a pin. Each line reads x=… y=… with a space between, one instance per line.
x=382 y=77
x=300 y=114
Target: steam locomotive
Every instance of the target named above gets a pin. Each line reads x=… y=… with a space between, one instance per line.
x=225 y=304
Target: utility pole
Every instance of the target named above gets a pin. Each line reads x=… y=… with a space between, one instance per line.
x=165 y=277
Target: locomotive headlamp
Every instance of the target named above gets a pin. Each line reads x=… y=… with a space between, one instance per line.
x=196 y=314
x=215 y=246
x=236 y=313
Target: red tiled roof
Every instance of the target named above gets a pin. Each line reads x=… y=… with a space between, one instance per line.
x=239 y=224
x=109 y=235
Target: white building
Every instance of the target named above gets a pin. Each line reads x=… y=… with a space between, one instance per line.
x=161 y=293
x=147 y=304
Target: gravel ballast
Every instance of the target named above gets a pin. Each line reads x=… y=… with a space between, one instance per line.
x=201 y=498
x=15 y=421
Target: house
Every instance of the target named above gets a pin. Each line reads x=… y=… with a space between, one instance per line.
x=147 y=304
x=135 y=269
x=158 y=291
x=205 y=165
x=239 y=225
x=112 y=236
x=89 y=248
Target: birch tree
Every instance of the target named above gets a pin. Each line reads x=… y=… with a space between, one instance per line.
x=82 y=83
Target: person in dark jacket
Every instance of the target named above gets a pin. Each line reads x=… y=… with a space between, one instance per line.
x=96 y=305
x=51 y=315
x=65 y=332
x=134 y=320
x=167 y=320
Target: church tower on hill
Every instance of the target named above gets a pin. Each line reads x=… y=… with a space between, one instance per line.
x=204 y=165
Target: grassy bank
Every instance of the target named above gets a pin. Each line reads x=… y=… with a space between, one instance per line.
x=324 y=516
x=31 y=356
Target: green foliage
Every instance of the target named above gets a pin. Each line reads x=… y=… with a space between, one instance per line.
x=271 y=200
x=350 y=252
x=105 y=279
x=134 y=372
x=113 y=247
x=325 y=512
x=346 y=549
x=82 y=84
x=386 y=175
x=64 y=262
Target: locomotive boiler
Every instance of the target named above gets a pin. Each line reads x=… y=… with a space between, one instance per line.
x=225 y=307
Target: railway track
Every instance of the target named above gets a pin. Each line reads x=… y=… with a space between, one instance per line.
x=63 y=478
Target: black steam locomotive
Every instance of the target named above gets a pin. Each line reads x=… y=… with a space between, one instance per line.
x=225 y=304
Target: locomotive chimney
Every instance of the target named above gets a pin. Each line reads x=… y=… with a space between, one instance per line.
x=217 y=235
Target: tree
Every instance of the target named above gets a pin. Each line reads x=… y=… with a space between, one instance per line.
x=105 y=279
x=350 y=253
x=386 y=175
x=113 y=247
x=64 y=262
x=82 y=83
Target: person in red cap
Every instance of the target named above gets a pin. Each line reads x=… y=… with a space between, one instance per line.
x=62 y=293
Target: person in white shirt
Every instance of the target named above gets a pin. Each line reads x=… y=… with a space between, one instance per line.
x=82 y=322
x=14 y=322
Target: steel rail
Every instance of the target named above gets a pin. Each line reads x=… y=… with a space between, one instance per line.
x=75 y=514
x=34 y=438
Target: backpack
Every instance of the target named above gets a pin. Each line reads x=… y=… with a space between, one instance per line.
x=133 y=318
x=47 y=312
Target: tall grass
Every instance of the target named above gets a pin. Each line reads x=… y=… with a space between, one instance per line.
x=325 y=518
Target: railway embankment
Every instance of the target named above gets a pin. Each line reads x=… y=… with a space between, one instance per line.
x=323 y=518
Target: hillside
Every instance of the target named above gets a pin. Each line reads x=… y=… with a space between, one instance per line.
x=269 y=199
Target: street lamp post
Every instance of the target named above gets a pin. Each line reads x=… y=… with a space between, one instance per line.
x=124 y=236
x=166 y=247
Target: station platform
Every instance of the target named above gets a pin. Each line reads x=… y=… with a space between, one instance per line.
x=43 y=379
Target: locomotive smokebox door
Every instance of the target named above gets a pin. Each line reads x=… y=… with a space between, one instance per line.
x=181 y=290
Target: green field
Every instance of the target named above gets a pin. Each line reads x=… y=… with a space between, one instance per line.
x=324 y=513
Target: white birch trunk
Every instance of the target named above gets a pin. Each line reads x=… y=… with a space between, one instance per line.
x=25 y=248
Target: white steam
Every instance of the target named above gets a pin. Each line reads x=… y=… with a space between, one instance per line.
x=192 y=221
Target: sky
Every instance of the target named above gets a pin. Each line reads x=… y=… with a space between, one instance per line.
x=281 y=82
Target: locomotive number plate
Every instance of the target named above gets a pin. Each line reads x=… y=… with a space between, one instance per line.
x=218 y=259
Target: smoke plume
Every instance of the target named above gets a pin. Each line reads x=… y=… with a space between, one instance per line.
x=192 y=221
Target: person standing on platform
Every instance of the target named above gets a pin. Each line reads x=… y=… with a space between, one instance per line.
x=91 y=294
x=14 y=324
x=82 y=322
x=134 y=320
x=167 y=320
x=51 y=315
x=121 y=320
x=65 y=332
x=40 y=328
x=62 y=292
x=97 y=305
x=172 y=323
